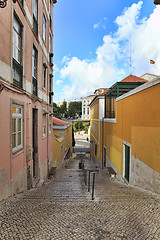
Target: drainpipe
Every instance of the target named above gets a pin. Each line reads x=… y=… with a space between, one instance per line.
x=102 y=141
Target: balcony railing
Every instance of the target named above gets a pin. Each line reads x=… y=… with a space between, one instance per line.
x=34 y=82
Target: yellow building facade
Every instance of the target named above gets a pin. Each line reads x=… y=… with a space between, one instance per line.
x=97 y=112
x=129 y=142
x=62 y=141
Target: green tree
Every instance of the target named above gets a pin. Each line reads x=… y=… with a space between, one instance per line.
x=63 y=109
x=74 y=109
x=79 y=125
x=56 y=110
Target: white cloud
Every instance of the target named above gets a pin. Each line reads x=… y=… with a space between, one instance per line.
x=112 y=57
x=100 y=24
x=58 y=82
x=65 y=59
x=96 y=25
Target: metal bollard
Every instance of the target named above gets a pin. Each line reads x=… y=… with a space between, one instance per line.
x=93 y=185
x=85 y=176
x=89 y=181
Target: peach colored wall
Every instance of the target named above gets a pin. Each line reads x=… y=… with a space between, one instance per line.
x=5 y=141
x=14 y=164
x=5 y=34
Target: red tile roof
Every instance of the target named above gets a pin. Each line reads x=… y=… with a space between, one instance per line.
x=57 y=121
x=132 y=78
x=91 y=96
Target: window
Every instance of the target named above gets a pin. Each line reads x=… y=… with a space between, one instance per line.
x=17 y=128
x=110 y=107
x=83 y=110
x=34 y=69
x=44 y=77
x=17 y=53
x=50 y=12
x=44 y=125
x=44 y=28
x=50 y=124
x=50 y=7
x=50 y=89
x=50 y=43
x=87 y=111
x=21 y=1
x=35 y=16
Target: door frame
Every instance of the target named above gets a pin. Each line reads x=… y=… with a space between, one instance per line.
x=128 y=145
x=104 y=156
x=35 y=142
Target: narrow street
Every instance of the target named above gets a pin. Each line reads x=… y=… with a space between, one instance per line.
x=63 y=209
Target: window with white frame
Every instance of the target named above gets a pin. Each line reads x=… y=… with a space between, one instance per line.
x=50 y=124
x=44 y=77
x=44 y=28
x=17 y=128
x=34 y=69
x=17 y=52
x=44 y=125
x=35 y=16
x=50 y=43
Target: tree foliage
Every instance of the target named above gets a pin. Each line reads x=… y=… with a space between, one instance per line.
x=74 y=109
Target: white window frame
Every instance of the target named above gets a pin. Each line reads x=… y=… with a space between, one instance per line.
x=50 y=43
x=17 y=41
x=44 y=76
x=17 y=116
x=44 y=28
x=44 y=126
x=50 y=124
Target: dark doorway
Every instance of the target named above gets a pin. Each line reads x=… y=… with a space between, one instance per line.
x=127 y=162
x=35 y=141
x=104 y=156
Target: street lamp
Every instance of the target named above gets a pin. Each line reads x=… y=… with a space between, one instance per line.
x=3 y=3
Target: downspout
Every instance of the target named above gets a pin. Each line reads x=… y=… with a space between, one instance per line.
x=102 y=140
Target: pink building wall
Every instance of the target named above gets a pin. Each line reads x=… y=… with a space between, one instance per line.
x=16 y=169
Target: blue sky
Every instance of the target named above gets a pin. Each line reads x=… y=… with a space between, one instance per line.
x=92 y=44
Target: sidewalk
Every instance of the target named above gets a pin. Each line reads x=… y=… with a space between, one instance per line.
x=63 y=209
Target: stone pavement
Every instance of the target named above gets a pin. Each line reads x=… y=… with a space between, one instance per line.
x=62 y=209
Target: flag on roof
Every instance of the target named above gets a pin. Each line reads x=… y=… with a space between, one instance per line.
x=152 y=62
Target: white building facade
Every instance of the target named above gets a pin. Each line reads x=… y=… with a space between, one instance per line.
x=85 y=107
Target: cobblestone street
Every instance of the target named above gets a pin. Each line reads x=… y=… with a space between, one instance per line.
x=63 y=209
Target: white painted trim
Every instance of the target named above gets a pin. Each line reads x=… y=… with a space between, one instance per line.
x=109 y=120
x=62 y=127
x=43 y=48
x=28 y=13
x=139 y=89
x=98 y=120
x=95 y=139
x=5 y=71
x=43 y=96
x=101 y=108
x=96 y=99
x=45 y=6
